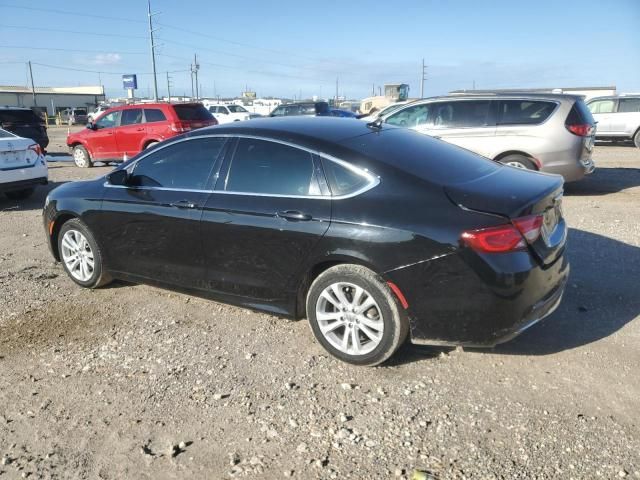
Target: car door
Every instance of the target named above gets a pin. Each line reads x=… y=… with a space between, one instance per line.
x=130 y=133
x=627 y=118
x=150 y=227
x=102 y=139
x=264 y=218
x=467 y=123
x=156 y=126
x=603 y=112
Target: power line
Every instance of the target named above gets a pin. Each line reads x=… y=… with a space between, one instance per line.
x=58 y=67
x=69 y=49
x=67 y=12
x=41 y=29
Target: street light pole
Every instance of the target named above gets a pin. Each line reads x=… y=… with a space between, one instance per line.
x=423 y=77
x=153 y=53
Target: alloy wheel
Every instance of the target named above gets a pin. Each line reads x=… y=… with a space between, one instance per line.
x=349 y=318
x=516 y=165
x=77 y=255
x=79 y=157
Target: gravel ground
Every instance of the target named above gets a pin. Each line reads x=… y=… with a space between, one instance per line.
x=132 y=381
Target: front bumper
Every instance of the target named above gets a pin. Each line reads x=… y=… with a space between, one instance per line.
x=479 y=301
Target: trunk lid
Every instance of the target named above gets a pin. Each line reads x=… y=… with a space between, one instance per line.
x=14 y=154
x=515 y=193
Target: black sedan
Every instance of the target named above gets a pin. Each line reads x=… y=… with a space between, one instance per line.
x=373 y=233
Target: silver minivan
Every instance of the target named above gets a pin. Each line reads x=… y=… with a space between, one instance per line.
x=618 y=117
x=548 y=132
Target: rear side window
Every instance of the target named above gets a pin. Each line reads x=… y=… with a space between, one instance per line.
x=192 y=112
x=18 y=116
x=412 y=116
x=154 y=115
x=308 y=109
x=462 y=114
x=183 y=165
x=524 y=112
x=579 y=114
x=260 y=166
x=602 y=106
x=342 y=180
x=629 y=105
x=131 y=116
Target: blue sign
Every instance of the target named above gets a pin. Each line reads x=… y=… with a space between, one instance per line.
x=129 y=81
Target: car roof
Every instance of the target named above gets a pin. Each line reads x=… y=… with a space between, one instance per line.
x=510 y=95
x=614 y=97
x=299 y=129
x=153 y=105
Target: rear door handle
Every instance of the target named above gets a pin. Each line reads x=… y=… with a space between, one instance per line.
x=294 y=215
x=183 y=204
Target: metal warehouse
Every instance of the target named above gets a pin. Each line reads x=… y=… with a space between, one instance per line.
x=54 y=99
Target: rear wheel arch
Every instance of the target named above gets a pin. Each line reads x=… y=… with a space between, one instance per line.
x=149 y=142
x=506 y=154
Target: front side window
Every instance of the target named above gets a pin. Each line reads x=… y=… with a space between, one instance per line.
x=629 y=105
x=602 y=106
x=154 y=115
x=524 y=112
x=183 y=165
x=237 y=109
x=264 y=167
x=278 y=112
x=462 y=114
x=411 y=117
x=131 y=116
x=110 y=120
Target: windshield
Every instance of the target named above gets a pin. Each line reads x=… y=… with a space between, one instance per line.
x=236 y=108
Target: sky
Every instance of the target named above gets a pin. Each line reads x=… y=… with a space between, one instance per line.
x=300 y=48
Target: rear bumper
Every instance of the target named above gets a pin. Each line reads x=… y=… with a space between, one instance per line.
x=572 y=171
x=472 y=300
x=22 y=184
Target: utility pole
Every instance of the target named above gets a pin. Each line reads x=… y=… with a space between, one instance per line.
x=423 y=77
x=33 y=89
x=153 y=53
x=194 y=76
x=168 y=88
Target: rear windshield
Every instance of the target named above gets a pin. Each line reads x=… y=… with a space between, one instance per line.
x=579 y=114
x=18 y=116
x=192 y=112
x=423 y=156
x=5 y=134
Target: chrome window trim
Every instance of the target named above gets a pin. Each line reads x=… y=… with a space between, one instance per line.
x=372 y=180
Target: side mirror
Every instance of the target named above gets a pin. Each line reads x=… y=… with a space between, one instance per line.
x=91 y=126
x=118 y=177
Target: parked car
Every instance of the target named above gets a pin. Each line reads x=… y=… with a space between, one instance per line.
x=73 y=116
x=122 y=132
x=24 y=123
x=22 y=166
x=100 y=109
x=301 y=108
x=372 y=233
x=336 y=112
x=548 y=132
x=230 y=113
x=618 y=118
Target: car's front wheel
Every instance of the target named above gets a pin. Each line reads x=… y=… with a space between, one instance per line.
x=81 y=257
x=636 y=139
x=81 y=157
x=355 y=316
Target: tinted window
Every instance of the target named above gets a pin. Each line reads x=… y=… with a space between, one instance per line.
x=579 y=114
x=192 y=112
x=131 y=116
x=154 y=115
x=222 y=110
x=461 y=114
x=292 y=110
x=342 y=180
x=236 y=109
x=278 y=112
x=524 y=112
x=602 y=106
x=18 y=116
x=181 y=165
x=259 y=166
x=322 y=107
x=412 y=116
x=109 y=120
x=629 y=105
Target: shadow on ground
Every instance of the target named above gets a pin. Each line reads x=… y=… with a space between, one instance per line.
x=603 y=181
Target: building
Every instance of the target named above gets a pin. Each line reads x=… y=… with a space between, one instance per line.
x=54 y=99
x=586 y=92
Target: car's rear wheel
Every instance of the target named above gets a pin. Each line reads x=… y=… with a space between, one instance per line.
x=81 y=257
x=81 y=157
x=518 y=161
x=636 y=139
x=150 y=144
x=20 y=194
x=355 y=316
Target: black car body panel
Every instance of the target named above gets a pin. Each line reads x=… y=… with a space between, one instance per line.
x=249 y=249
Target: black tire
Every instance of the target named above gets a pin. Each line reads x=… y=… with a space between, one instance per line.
x=518 y=161
x=636 y=139
x=81 y=157
x=99 y=276
x=20 y=194
x=394 y=318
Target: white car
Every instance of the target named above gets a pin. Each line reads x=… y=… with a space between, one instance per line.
x=22 y=166
x=97 y=112
x=229 y=113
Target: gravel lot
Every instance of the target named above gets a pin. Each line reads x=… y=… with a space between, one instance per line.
x=134 y=382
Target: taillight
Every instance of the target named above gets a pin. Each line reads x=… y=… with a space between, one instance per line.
x=504 y=238
x=36 y=148
x=580 y=129
x=180 y=127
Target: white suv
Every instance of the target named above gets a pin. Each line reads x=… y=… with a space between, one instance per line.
x=618 y=117
x=22 y=166
x=229 y=113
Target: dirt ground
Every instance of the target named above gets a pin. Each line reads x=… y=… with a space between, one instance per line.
x=134 y=382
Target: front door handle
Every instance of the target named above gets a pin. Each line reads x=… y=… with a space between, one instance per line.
x=294 y=215
x=183 y=204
